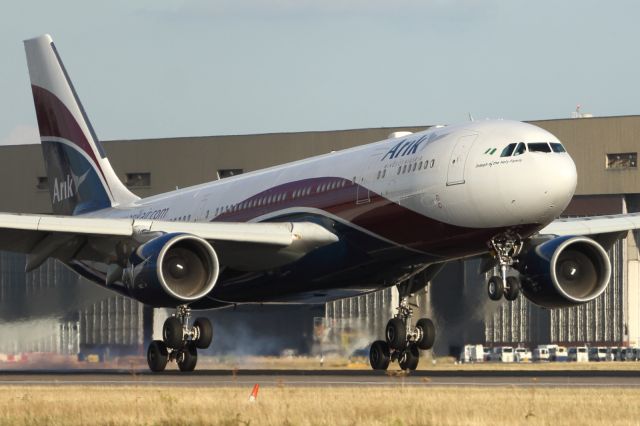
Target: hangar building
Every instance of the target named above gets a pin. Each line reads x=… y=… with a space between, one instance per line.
x=605 y=150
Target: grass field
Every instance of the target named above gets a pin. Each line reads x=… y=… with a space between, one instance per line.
x=281 y=405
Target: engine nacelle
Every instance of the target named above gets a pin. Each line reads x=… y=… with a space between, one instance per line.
x=565 y=271
x=171 y=270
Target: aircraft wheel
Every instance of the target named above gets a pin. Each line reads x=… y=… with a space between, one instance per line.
x=172 y=333
x=188 y=357
x=205 y=335
x=157 y=356
x=396 y=333
x=428 y=333
x=379 y=356
x=495 y=288
x=410 y=358
x=513 y=289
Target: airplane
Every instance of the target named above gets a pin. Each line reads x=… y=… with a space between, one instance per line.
x=389 y=213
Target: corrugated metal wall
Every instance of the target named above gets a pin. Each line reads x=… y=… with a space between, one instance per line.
x=52 y=309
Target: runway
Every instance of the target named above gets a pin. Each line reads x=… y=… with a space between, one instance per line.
x=324 y=378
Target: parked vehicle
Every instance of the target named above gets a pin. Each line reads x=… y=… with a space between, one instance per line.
x=541 y=353
x=578 y=354
x=557 y=353
x=502 y=354
x=487 y=353
x=472 y=353
x=522 y=355
x=598 y=353
x=613 y=353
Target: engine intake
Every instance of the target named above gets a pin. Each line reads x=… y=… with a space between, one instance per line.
x=565 y=271
x=172 y=269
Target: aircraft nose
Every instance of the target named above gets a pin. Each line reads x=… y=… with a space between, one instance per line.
x=559 y=179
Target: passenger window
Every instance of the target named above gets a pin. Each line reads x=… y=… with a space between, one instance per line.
x=520 y=149
x=508 y=150
x=557 y=147
x=539 y=147
x=384 y=172
x=432 y=163
x=399 y=169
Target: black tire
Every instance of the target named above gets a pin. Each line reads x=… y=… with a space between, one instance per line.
x=172 y=333
x=188 y=357
x=495 y=288
x=379 y=355
x=513 y=289
x=157 y=356
x=205 y=333
x=409 y=358
x=396 y=333
x=428 y=331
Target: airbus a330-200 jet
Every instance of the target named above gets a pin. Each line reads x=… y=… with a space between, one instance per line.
x=389 y=213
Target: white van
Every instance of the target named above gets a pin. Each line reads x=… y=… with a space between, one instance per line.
x=557 y=353
x=522 y=355
x=578 y=354
x=472 y=353
x=541 y=353
x=502 y=354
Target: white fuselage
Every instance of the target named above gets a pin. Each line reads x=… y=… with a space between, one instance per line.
x=453 y=175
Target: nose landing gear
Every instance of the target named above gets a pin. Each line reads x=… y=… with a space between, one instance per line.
x=504 y=249
x=180 y=342
x=402 y=339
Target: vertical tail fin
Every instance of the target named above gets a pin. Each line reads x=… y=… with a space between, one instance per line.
x=81 y=179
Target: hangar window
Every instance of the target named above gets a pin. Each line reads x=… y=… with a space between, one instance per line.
x=539 y=147
x=225 y=173
x=508 y=150
x=624 y=160
x=42 y=183
x=138 y=179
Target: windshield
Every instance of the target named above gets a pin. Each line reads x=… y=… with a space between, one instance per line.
x=520 y=149
x=508 y=150
x=557 y=147
x=539 y=147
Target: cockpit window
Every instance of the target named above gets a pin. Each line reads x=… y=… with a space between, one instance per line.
x=520 y=149
x=539 y=147
x=557 y=147
x=508 y=150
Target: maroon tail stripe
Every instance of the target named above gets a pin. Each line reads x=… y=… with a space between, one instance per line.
x=55 y=119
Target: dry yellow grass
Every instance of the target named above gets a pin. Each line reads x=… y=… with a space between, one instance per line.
x=80 y=405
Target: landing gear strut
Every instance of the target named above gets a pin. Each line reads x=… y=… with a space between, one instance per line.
x=180 y=341
x=505 y=249
x=402 y=339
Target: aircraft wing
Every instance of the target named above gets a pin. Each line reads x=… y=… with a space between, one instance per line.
x=593 y=225
x=248 y=246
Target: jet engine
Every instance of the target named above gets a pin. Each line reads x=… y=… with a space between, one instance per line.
x=172 y=269
x=564 y=271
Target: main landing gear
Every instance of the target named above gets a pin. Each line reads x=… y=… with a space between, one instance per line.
x=402 y=339
x=504 y=249
x=180 y=341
